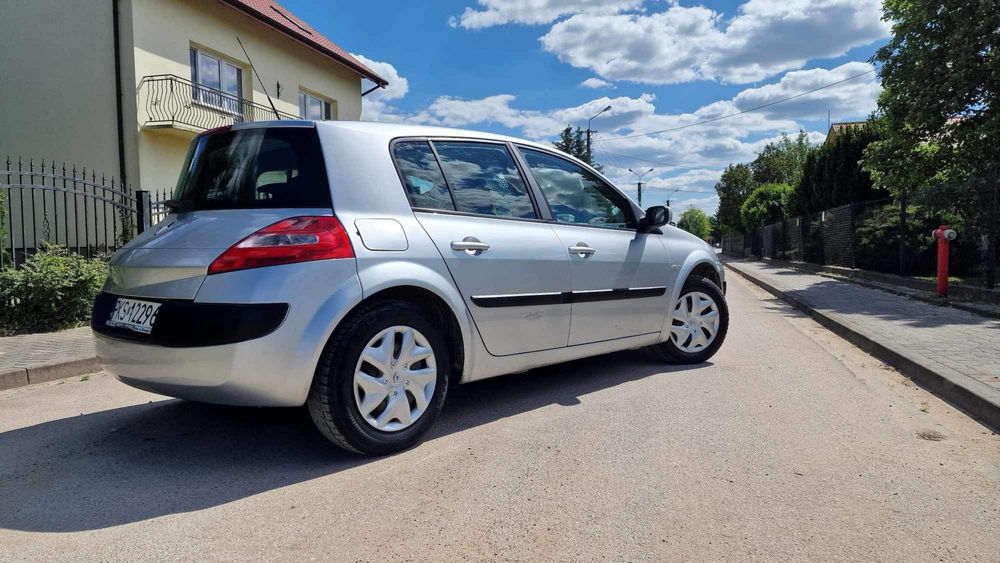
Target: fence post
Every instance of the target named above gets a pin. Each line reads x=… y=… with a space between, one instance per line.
x=143 y=211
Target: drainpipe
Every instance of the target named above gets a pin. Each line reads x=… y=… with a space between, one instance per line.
x=118 y=95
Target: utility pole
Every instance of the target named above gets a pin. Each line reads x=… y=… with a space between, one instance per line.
x=639 y=177
x=590 y=159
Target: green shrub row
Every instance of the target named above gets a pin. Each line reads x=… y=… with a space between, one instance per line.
x=53 y=290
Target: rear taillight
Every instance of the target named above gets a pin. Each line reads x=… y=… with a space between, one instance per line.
x=296 y=239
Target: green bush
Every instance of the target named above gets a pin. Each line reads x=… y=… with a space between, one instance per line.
x=767 y=204
x=53 y=290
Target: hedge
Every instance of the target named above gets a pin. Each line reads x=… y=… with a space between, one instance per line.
x=53 y=290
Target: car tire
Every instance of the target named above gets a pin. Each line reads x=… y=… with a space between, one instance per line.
x=680 y=350
x=334 y=401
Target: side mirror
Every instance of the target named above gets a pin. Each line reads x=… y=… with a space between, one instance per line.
x=656 y=216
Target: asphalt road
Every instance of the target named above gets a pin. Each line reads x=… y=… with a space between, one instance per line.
x=790 y=444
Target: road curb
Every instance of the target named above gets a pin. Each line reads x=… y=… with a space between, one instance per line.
x=13 y=378
x=979 y=401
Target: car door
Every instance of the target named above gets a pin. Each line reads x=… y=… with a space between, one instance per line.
x=508 y=264
x=619 y=275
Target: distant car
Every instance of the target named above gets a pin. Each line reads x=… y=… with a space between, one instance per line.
x=362 y=269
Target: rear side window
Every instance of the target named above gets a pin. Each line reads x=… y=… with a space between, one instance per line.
x=425 y=186
x=255 y=168
x=484 y=179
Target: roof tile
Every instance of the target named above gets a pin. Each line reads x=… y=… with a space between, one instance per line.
x=277 y=16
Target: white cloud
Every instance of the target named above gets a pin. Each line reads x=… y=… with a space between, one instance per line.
x=596 y=83
x=854 y=98
x=534 y=12
x=681 y=44
x=536 y=124
x=374 y=106
x=398 y=86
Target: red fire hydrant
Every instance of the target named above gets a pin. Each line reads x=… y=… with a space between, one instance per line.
x=944 y=236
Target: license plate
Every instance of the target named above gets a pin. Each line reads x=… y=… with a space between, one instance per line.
x=133 y=314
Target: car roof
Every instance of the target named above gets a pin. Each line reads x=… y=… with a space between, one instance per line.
x=394 y=130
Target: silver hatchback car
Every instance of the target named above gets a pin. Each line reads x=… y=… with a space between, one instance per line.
x=362 y=269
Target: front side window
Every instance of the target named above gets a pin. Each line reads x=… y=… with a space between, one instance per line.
x=217 y=82
x=421 y=175
x=255 y=168
x=574 y=194
x=484 y=179
x=314 y=107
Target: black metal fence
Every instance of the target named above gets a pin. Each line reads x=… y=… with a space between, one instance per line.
x=865 y=236
x=87 y=212
x=170 y=101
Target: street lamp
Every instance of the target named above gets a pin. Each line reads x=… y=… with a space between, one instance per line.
x=590 y=160
x=639 y=177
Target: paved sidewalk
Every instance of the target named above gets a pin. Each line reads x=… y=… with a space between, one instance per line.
x=925 y=341
x=33 y=358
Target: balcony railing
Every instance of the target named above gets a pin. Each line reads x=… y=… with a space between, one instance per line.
x=166 y=100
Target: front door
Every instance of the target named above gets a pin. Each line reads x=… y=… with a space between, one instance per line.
x=619 y=276
x=509 y=266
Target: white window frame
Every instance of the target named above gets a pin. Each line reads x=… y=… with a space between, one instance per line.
x=221 y=97
x=326 y=105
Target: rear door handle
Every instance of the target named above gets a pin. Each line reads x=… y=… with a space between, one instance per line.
x=472 y=245
x=582 y=249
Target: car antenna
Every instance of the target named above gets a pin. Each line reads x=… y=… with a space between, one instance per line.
x=274 y=109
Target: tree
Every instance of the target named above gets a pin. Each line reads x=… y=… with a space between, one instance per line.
x=733 y=187
x=937 y=114
x=572 y=143
x=696 y=222
x=767 y=204
x=832 y=175
x=781 y=162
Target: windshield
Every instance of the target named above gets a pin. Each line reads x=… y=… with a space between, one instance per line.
x=255 y=168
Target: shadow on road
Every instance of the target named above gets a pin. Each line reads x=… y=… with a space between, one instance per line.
x=139 y=462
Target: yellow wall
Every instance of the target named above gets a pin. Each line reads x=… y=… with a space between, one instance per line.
x=165 y=30
x=57 y=71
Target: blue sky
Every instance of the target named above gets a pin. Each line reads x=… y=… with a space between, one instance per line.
x=519 y=67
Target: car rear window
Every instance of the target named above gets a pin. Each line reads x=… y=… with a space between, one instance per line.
x=253 y=169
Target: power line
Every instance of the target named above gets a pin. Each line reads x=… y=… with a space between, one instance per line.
x=636 y=158
x=721 y=117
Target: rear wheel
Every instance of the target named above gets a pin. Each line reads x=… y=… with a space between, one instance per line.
x=382 y=379
x=699 y=324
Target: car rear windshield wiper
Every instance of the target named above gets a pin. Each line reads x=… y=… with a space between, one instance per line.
x=179 y=205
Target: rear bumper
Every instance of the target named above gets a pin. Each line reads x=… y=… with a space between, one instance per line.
x=255 y=357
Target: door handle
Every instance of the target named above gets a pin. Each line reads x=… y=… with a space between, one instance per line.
x=471 y=245
x=582 y=249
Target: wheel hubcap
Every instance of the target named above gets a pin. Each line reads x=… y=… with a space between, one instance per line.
x=395 y=378
x=695 y=322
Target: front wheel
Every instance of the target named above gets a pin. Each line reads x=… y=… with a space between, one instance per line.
x=699 y=324
x=381 y=381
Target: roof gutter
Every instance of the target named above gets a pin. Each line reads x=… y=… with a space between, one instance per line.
x=367 y=73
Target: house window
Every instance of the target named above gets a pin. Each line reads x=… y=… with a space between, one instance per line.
x=217 y=82
x=313 y=107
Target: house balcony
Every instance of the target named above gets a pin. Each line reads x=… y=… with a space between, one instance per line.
x=174 y=104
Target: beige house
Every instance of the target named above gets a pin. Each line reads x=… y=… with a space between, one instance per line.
x=121 y=86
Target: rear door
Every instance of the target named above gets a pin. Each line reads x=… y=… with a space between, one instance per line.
x=619 y=276
x=508 y=264
x=234 y=182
